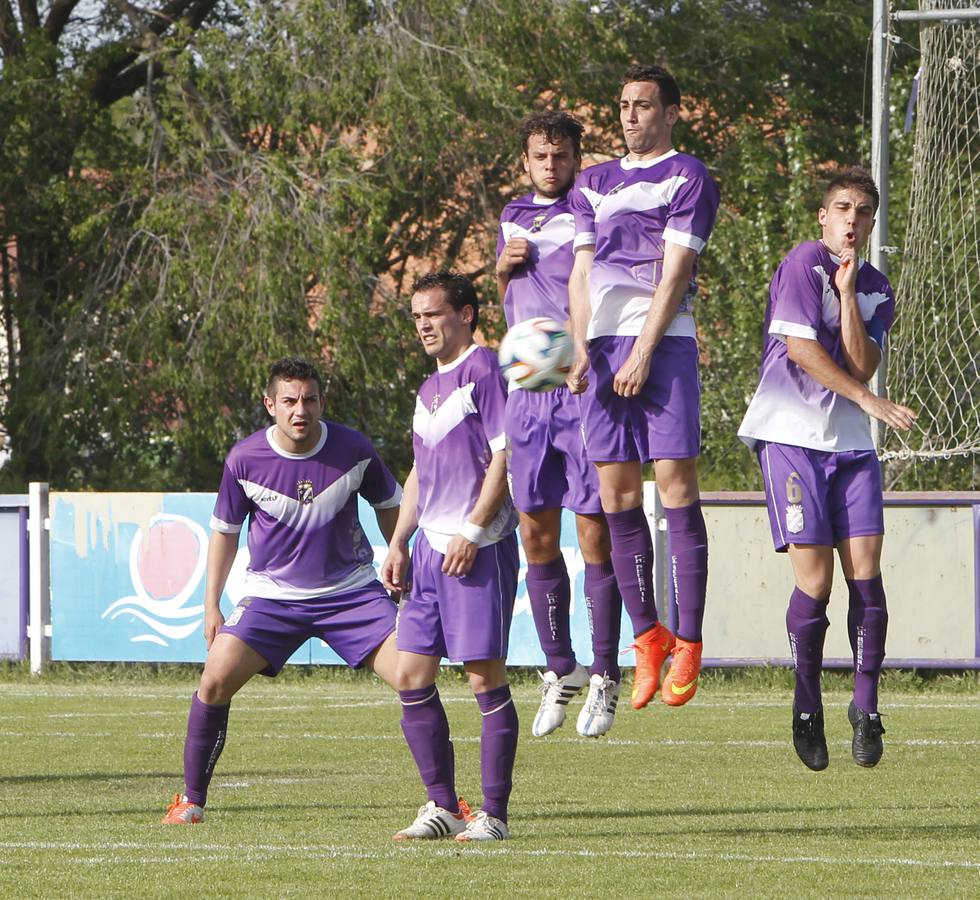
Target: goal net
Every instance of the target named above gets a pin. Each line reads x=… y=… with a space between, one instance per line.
x=934 y=358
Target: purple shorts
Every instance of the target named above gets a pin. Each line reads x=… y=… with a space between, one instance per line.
x=354 y=624
x=463 y=619
x=662 y=422
x=818 y=497
x=546 y=453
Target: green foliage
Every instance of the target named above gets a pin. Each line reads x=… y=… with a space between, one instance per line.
x=297 y=165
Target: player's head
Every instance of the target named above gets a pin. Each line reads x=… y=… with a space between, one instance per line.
x=847 y=211
x=551 y=144
x=294 y=399
x=649 y=106
x=446 y=311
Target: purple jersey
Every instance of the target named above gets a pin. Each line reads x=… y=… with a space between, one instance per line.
x=628 y=210
x=458 y=426
x=539 y=287
x=304 y=537
x=789 y=407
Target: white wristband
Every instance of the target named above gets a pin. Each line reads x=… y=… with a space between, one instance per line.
x=473 y=533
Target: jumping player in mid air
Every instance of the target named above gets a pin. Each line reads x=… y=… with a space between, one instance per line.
x=640 y=224
x=826 y=321
x=310 y=573
x=548 y=466
x=463 y=565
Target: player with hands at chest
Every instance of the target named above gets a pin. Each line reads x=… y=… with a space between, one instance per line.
x=459 y=600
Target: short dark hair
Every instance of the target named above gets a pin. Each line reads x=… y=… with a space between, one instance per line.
x=852 y=177
x=459 y=291
x=292 y=368
x=555 y=125
x=670 y=93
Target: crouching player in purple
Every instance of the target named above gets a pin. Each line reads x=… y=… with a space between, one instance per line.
x=549 y=469
x=641 y=223
x=310 y=572
x=463 y=566
x=808 y=422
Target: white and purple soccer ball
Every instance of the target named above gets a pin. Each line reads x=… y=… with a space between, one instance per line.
x=536 y=354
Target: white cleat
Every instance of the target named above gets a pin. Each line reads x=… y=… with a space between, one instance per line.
x=555 y=694
x=483 y=827
x=431 y=823
x=599 y=711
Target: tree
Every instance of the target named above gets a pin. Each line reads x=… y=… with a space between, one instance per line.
x=278 y=190
x=63 y=160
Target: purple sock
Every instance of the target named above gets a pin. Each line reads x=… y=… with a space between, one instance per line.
x=426 y=730
x=551 y=597
x=688 y=542
x=498 y=749
x=605 y=608
x=806 y=625
x=867 y=624
x=632 y=560
x=206 y=728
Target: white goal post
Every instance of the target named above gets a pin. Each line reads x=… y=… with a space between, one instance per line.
x=934 y=359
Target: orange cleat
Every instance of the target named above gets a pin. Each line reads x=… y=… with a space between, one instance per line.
x=182 y=812
x=652 y=648
x=681 y=683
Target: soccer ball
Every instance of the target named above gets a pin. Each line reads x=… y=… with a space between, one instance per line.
x=536 y=354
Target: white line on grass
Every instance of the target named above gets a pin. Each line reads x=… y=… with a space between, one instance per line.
x=229 y=852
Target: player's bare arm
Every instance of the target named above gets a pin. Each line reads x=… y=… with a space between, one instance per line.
x=817 y=363
x=461 y=552
x=861 y=353
x=675 y=280
x=222 y=548
x=394 y=570
x=387 y=520
x=516 y=252
x=580 y=312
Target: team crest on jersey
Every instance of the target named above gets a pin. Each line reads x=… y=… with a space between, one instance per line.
x=538 y=223
x=794 y=518
x=435 y=404
x=304 y=491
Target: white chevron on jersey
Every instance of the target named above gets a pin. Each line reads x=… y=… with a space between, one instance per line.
x=830 y=303
x=638 y=197
x=555 y=233
x=301 y=516
x=594 y=197
x=431 y=426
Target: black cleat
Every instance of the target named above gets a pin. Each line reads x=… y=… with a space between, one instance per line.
x=808 y=739
x=866 y=746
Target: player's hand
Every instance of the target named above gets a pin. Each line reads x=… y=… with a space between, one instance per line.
x=845 y=278
x=516 y=252
x=460 y=556
x=632 y=375
x=395 y=570
x=577 y=378
x=892 y=414
x=213 y=620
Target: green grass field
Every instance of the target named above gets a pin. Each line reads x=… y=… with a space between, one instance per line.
x=705 y=801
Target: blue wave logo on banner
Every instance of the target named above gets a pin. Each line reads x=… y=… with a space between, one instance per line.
x=166 y=565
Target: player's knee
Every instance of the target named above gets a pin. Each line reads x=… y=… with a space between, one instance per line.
x=818 y=587
x=216 y=689
x=540 y=542
x=593 y=539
